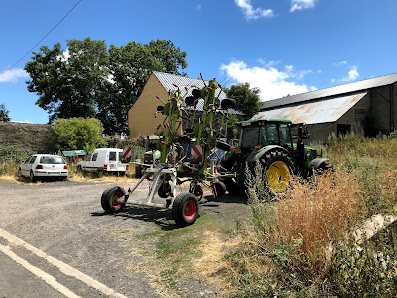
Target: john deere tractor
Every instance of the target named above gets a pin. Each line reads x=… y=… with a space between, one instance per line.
x=281 y=154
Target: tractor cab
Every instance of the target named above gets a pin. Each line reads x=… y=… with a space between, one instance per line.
x=258 y=134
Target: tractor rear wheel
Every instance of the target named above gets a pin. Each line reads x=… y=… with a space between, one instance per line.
x=185 y=209
x=110 y=199
x=278 y=170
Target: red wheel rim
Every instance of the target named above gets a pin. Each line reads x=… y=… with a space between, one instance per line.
x=189 y=210
x=113 y=201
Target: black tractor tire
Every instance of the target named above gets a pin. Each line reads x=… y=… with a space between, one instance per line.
x=185 y=209
x=278 y=169
x=198 y=192
x=109 y=197
x=138 y=170
x=32 y=177
x=164 y=190
x=218 y=189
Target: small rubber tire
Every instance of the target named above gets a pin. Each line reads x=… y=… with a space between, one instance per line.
x=218 y=189
x=164 y=190
x=138 y=170
x=79 y=169
x=109 y=197
x=198 y=192
x=185 y=209
x=32 y=177
x=99 y=173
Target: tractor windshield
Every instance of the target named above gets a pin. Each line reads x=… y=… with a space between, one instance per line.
x=249 y=137
x=275 y=134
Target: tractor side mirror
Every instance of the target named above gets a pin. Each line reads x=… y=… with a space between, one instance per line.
x=303 y=131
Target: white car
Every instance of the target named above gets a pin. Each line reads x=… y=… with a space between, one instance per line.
x=104 y=160
x=44 y=166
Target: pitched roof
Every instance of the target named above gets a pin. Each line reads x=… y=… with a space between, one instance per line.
x=168 y=81
x=314 y=111
x=332 y=91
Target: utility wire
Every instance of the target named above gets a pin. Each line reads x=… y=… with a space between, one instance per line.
x=41 y=39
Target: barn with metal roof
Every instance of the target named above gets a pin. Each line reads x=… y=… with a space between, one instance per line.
x=364 y=106
x=141 y=120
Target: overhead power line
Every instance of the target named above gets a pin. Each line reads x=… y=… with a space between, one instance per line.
x=27 y=53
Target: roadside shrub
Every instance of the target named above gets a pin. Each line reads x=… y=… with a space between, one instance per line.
x=363 y=270
x=11 y=157
x=78 y=133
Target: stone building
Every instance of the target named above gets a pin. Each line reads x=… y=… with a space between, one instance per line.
x=364 y=106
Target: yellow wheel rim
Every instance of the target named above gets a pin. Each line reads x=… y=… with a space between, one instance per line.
x=278 y=176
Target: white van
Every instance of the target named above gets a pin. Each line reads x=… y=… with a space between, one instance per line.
x=104 y=160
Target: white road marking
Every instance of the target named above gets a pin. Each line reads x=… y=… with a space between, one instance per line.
x=63 y=267
x=38 y=272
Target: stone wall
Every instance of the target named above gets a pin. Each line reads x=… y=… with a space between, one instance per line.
x=31 y=136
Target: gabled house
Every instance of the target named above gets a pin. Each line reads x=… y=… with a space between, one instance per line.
x=141 y=119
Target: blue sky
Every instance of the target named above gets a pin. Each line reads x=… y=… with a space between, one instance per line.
x=281 y=46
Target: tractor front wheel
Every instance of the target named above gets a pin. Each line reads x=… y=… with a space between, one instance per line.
x=185 y=209
x=278 y=169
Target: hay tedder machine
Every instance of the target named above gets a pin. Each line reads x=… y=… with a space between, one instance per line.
x=201 y=156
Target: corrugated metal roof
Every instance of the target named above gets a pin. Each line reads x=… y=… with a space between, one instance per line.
x=170 y=80
x=315 y=111
x=342 y=89
x=74 y=153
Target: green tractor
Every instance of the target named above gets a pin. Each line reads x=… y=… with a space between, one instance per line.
x=279 y=151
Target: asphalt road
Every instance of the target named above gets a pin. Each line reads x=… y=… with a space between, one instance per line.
x=56 y=241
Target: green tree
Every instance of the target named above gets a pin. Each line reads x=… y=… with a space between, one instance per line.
x=130 y=67
x=247 y=99
x=88 y=80
x=4 y=114
x=69 y=82
x=78 y=133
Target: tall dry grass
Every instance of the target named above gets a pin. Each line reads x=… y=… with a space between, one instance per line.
x=289 y=240
x=316 y=212
x=373 y=161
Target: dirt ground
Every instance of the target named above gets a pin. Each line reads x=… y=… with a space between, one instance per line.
x=65 y=220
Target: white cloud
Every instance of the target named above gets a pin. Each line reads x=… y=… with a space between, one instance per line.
x=351 y=75
x=198 y=7
x=301 y=4
x=271 y=81
x=251 y=13
x=13 y=75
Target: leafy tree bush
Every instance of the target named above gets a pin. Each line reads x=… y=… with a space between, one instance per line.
x=4 y=114
x=10 y=158
x=88 y=80
x=247 y=99
x=78 y=133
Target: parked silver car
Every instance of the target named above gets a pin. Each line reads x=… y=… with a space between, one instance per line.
x=44 y=166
